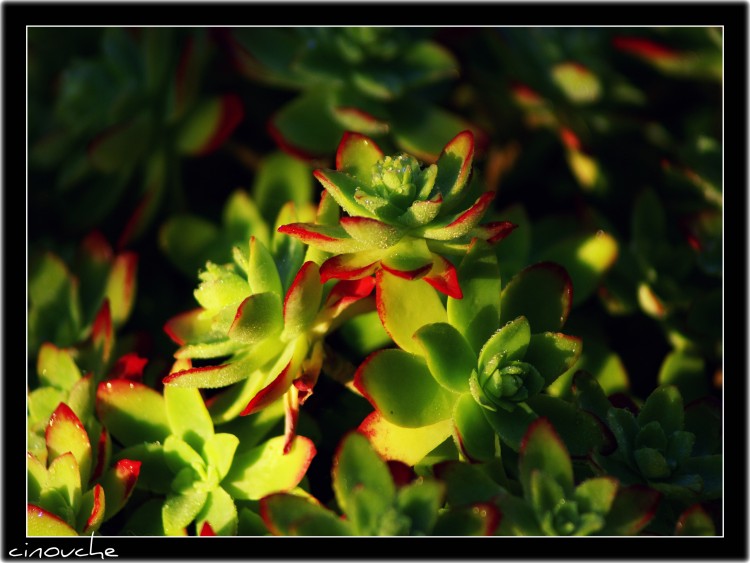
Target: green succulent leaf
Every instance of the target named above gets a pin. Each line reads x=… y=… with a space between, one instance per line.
x=356 y=155
x=262 y=274
x=118 y=483
x=686 y=371
x=188 y=416
x=508 y=344
x=420 y=502
x=449 y=357
x=552 y=354
x=42 y=402
x=64 y=478
x=220 y=512
x=596 y=494
x=39 y=522
x=132 y=412
x=409 y=445
x=477 y=313
x=357 y=466
x=302 y=301
x=56 y=367
x=664 y=405
x=466 y=484
x=258 y=317
x=36 y=479
x=579 y=430
x=542 y=450
x=291 y=515
x=475 y=437
x=180 y=510
x=178 y=454
x=511 y=426
x=65 y=433
x=218 y=451
x=632 y=509
x=544 y=494
x=403 y=310
x=542 y=293
x=153 y=474
x=91 y=515
x=403 y=390
x=695 y=521
x=266 y=469
x=479 y=520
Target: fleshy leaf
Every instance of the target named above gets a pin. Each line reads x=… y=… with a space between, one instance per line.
x=444 y=277
x=351 y=266
x=56 y=367
x=262 y=275
x=543 y=450
x=421 y=501
x=596 y=494
x=356 y=155
x=302 y=301
x=665 y=406
x=218 y=451
x=578 y=429
x=404 y=308
x=454 y=167
x=632 y=509
x=466 y=483
x=448 y=355
x=120 y=289
x=511 y=426
x=39 y=522
x=328 y=238
x=152 y=471
x=542 y=292
x=188 y=326
x=401 y=387
x=219 y=513
x=371 y=232
x=180 y=510
x=552 y=354
x=477 y=520
x=356 y=465
x=258 y=317
x=342 y=188
x=92 y=510
x=579 y=84
x=187 y=415
x=265 y=469
x=65 y=433
x=509 y=343
x=118 y=484
x=291 y=515
x=132 y=411
x=695 y=521
x=64 y=478
x=409 y=259
x=475 y=437
x=408 y=445
x=477 y=313
x=462 y=224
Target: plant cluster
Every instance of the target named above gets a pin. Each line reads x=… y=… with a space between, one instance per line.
x=477 y=291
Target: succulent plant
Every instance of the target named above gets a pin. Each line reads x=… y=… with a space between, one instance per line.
x=467 y=377
x=373 y=504
x=552 y=502
x=401 y=217
x=369 y=80
x=197 y=473
x=124 y=119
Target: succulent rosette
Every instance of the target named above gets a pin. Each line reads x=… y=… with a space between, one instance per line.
x=670 y=448
x=266 y=315
x=194 y=474
x=401 y=217
x=458 y=374
x=375 y=502
x=553 y=500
